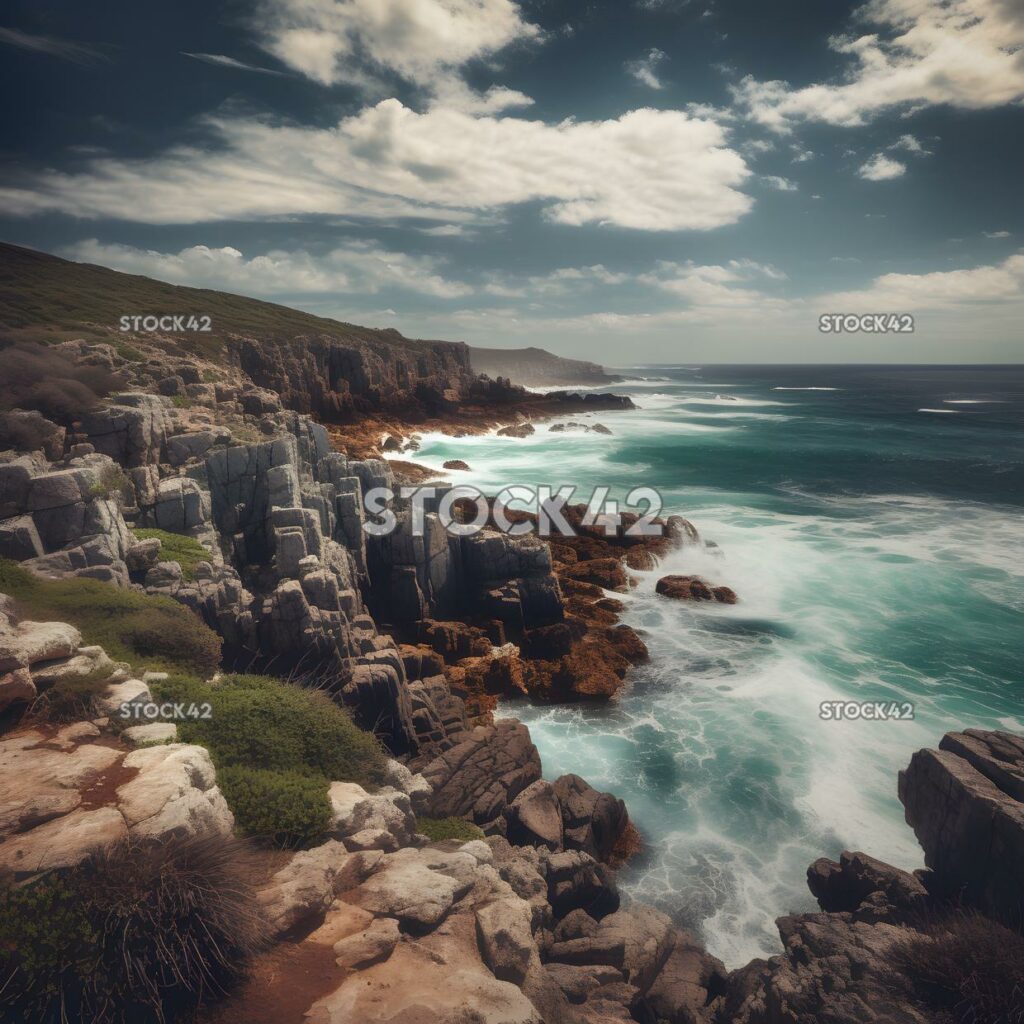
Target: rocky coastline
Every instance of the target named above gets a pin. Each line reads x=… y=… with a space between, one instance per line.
x=517 y=916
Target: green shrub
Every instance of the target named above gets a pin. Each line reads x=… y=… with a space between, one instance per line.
x=966 y=968
x=182 y=401
x=141 y=933
x=276 y=747
x=188 y=553
x=148 y=631
x=439 y=829
x=261 y=722
x=285 y=808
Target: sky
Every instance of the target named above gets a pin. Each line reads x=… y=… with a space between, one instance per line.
x=630 y=181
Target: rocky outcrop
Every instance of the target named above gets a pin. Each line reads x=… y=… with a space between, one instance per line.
x=694 y=588
x=965 y=802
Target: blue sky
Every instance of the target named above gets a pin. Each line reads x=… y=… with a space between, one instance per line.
x=628 y=181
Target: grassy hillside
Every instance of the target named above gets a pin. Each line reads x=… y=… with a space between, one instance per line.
x=45 y=298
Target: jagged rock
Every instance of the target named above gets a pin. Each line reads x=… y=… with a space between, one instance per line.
x=407 y=889
x=693 y=588
x=576 y=881
x=415 y=787
x=480 y=776
x=687 y=983
x=506 y=940
x=577 y=983
x=455 y=464
x=143 y=555
x=368 y=947
x=846 y=885
x=637 y=941
x=517 y=430
x=535 y=817
x=834 y=970
x=593 y=821
x=174 y=793
x=354 y=811
x=310 y=882
x=964 y=804
x=19 y=539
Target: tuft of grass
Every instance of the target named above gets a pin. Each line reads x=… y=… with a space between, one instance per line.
x=439 y=829
x=174 y=547
x=70 y=700
x=149 y=631
x=287 y=809
x=112 y=480
x=142 y=932
x=966 y=967
x=277 y=747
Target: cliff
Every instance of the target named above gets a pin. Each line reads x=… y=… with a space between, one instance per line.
x=534 y=367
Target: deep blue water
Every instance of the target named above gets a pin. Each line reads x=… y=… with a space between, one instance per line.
x=874 y=534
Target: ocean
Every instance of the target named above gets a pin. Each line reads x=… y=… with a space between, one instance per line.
x=869 y=518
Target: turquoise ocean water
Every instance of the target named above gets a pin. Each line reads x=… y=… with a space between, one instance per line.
x=870 y=518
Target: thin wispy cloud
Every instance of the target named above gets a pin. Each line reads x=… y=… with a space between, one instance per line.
x=221 y=60
x=645 y=70
x=77 y=53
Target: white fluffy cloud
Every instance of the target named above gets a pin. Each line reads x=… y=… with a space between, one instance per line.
x=717 y=287
x=333 y=41
x=940 y=290
x=965 y=53
x=357 y=267
x=652 y=170
x=882 y=168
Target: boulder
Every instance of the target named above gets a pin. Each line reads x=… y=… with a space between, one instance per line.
x=62 y=842
x=506 y=939
x=407 y=889
x=301 y=891
x=694 y=588
x=174 y=793
x=593 y=821
x=535 y=817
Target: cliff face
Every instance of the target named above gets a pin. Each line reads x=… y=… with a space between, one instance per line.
x=534 y=367
x=342 y=379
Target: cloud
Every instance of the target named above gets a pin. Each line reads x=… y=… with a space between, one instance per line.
x=356 y=267
x=911 y=144
x=389 y=161
x=713 y=287
x=965 y=53
x=778 y=183
x=940 y=290
x=996 y=234
x=422 y=41
x=645 y=69
x=229 y=62
x=77 y=53
x=882 y=168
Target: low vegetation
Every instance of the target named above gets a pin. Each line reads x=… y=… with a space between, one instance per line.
x=284 y=808
x=112 y=480
x=142 y=933
x=188 y=553
x=148 y=631
x=69 y=700
x=277 y=747
x=966 y=969
x=439 y=829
